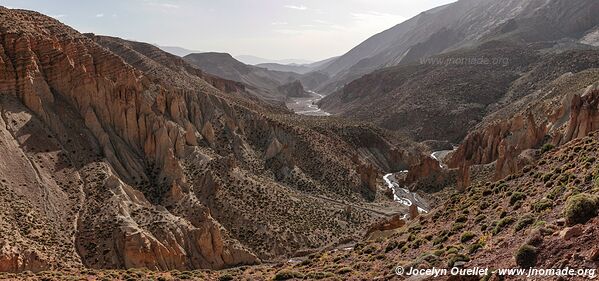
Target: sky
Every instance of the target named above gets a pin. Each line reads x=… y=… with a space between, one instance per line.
x=274 y=29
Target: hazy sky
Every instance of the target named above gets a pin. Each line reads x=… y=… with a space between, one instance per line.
x=274 y=29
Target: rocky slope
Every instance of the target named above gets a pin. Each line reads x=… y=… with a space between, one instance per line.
x=117 y=155
x=544 y=216
x=560 y=111
x=462 y=24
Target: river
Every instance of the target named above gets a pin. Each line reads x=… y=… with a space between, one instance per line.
x=403 y=196
x=307 y=106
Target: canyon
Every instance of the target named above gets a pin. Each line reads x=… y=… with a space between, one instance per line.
x=122 y=161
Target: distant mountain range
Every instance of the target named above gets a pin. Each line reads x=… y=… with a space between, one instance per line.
x=177 y=51
x=254 y=60
x=298 y=68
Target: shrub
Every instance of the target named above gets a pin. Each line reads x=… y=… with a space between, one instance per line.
x=287 y=274
x=580 y=208
x=526 y=256
x=467 y=236
x=501 y=224
x=462 y=219
x=344 y=270
x=391 y=246
x=457 y=226
x=524 y=222
x=475 y=247
x=542 y=205
x=457 y=258
x=516 y=197
x=547 y=147
x=480 y=218
x=556 y=192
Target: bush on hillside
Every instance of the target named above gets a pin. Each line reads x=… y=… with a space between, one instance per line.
x=580 y=208
x=526 y=256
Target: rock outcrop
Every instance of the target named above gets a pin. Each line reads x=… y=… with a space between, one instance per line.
x=294 y=90
x=560 y=113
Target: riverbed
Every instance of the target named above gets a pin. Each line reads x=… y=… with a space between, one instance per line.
x=307 y=106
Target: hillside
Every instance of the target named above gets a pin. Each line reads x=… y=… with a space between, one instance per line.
x=544 y=216
x=444 y=101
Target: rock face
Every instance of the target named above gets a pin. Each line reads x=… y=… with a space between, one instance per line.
x=394 y=222
x=118 y=155
x=554 y=119
x=294 y=90
x=428 y=175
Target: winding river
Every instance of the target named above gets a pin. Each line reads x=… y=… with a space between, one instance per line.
x=403 y=196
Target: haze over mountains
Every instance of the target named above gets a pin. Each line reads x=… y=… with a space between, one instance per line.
x=465 y=136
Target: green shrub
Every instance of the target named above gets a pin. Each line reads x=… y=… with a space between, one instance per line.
x=502 y=223
x=344 y=270
x=467 y=236
x=462 y=219
x=475 y=247
x=287 y=274
x=547 y=147
x=479 y=218
x=516 y=197
x=457 y=226
x=526 y=256
x=457 y=258
x=391 y=246
x=580 y=208
x=524 y=222
x=542 y=205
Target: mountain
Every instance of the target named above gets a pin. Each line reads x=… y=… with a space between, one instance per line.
x=444 y=96
x=118 y=155
x=261 y=80
x=462 y=24
x=297 y=68
x=253 y=60
x=177 y=51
